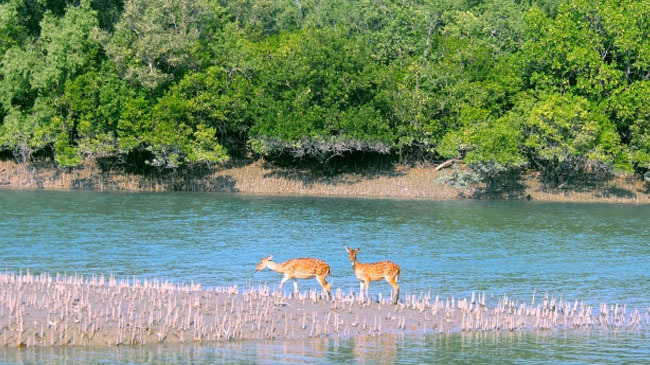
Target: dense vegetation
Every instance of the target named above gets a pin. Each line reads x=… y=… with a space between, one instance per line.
x=561 y=87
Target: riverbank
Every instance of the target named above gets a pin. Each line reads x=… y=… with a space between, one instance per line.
x=258 y=177
x=76 y=311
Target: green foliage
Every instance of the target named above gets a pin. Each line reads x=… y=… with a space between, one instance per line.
x=564 y=127
x=185 y=121
x=92 y=105
x=558 y=86
x=33 y=74
x=12 y=32
x=318 y=96
x=154 y=39
x=175 y=142
x=263 y=18
x=497 y=23
x=134 y=122
x=631 y=108
x=67 y=44
x=566 y=135
x=108 y=12
x=476 y=86
x=599 y=51
x=222 y=99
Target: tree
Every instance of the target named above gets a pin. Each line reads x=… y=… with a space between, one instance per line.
x=154 y=40
x=567 y=136
x=12 y=32
x=108 y=12
x=474 y=86
x=497 y=23
x=599 y=51
x=91 y=106
x=631 y=111
x=317 y=97
x=177 y=137
x=33 y=75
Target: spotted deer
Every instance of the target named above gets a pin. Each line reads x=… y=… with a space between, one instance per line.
x=300 y=268
x=374 y=271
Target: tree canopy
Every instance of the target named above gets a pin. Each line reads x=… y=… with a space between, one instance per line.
x=558 y=86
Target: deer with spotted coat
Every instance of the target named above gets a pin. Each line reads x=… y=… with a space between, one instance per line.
x=374 y=271
x=300 y=268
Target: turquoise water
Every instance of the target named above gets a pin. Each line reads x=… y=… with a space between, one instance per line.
x=591 y=252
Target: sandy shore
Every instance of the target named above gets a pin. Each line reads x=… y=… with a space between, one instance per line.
x=75 y=311
x=257 y=177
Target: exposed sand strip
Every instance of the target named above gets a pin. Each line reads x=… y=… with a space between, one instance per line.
x=72 y=310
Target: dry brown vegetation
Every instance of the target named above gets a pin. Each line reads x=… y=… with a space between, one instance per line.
x=259 y=177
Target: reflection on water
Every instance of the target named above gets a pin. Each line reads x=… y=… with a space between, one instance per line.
x=504 y=347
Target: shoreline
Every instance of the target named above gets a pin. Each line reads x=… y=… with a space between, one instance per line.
x=258 y=178
x=46 y=311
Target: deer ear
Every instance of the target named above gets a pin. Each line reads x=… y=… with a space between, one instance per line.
x=347 y=248
x=270 y=257
x=358 y=249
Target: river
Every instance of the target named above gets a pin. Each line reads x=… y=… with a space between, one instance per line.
x=588 y=252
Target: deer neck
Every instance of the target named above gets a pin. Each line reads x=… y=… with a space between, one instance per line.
x=355 y=264
x=275 y=267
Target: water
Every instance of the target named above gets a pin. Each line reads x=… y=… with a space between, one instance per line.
x=592 y=252
x=467 y=348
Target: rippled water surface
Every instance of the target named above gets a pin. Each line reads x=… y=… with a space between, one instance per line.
x=465 y=348
x=592 y=252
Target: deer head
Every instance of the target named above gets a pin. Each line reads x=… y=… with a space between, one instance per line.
x=352 y=253
x=263 y=262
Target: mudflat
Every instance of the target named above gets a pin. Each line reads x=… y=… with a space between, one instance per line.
x=258 y=177
x=61 y=310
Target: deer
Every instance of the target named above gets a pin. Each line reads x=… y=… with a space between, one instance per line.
x=374 y=271
x=300 y=268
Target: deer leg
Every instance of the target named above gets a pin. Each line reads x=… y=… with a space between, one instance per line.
x=284 y=279
x=361 y=289
x=367 y=285
x=326 y=286
x=295 y=285
x=393 y=282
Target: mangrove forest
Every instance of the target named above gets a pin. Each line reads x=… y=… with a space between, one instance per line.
x=560 y=87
